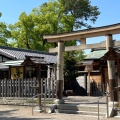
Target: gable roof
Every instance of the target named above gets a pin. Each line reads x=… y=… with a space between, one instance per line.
x=19 y=54
x=112 y=54
x=96 y=54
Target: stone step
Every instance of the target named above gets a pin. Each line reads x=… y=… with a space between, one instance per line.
x=81 y=107
x=80 y=112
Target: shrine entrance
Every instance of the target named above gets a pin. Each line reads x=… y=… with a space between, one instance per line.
x=82 y=35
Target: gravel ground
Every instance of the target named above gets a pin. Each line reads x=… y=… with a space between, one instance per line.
x=25 y=113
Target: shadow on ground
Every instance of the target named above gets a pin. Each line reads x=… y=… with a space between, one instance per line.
x=7 y=115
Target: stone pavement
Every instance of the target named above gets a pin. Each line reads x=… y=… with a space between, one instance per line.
x=24 y=113
x=8 y=112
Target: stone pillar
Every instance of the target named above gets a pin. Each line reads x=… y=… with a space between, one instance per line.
x=111 y=75
x=111 y=68
x=60 y=76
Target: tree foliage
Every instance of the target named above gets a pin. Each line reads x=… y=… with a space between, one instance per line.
x=0 y=14
x=5 y=34
x=26 y=33
x=56 y=16
x=70 y=67
x=49 y=18
x=81 y=11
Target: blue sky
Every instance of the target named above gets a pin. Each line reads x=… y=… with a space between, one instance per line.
x=110 y=9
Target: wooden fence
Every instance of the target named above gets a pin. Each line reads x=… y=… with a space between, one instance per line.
x=27 y=87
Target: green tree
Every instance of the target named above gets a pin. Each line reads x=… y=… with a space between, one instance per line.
x=71 y=68
x=81 y=11
x=0 y=14
x=49 y=18
x=54 y=17
x=26 y=34
x=5 y=34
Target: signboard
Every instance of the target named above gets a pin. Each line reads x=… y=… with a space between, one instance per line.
x=17 y=72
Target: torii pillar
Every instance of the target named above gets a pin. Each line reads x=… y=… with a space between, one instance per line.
x=111 y=69
x=60 y=75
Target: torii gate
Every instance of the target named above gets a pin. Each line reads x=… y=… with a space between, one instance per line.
x=106 y=31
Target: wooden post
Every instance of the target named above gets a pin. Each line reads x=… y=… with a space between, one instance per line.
x=89 y=68
x=118 y=80
x=39 y=80
x=83 y=41
x=89 y=92
x=85 y=81
x=48 y=80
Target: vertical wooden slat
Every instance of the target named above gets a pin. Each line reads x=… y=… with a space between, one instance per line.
x=52 y=81
x=22 y=87
x=53 y=75
x=48 y=80
x=55 y=78
x=25 y=92
x=2 y=87
x=16 y=88
x=19 y=87
x=34 y=84
x=28 y=87
x=31 y=87
x=5 y=88
x=45 y=79
x=10 y=88
x=36 y=90
x=13 y=88
x=42 y=84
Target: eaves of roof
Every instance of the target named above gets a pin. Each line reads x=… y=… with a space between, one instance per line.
x=18 y=53
x=2 y=52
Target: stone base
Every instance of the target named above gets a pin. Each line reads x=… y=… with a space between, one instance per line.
x=52 y=108
x=38 y=109
x=112 y=105
x=59 y=101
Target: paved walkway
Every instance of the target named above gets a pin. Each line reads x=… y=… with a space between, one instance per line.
x=25 y=113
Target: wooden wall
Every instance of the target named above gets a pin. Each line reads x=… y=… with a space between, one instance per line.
x=96 y=77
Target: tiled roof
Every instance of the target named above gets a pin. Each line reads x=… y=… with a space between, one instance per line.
x=19 y=54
